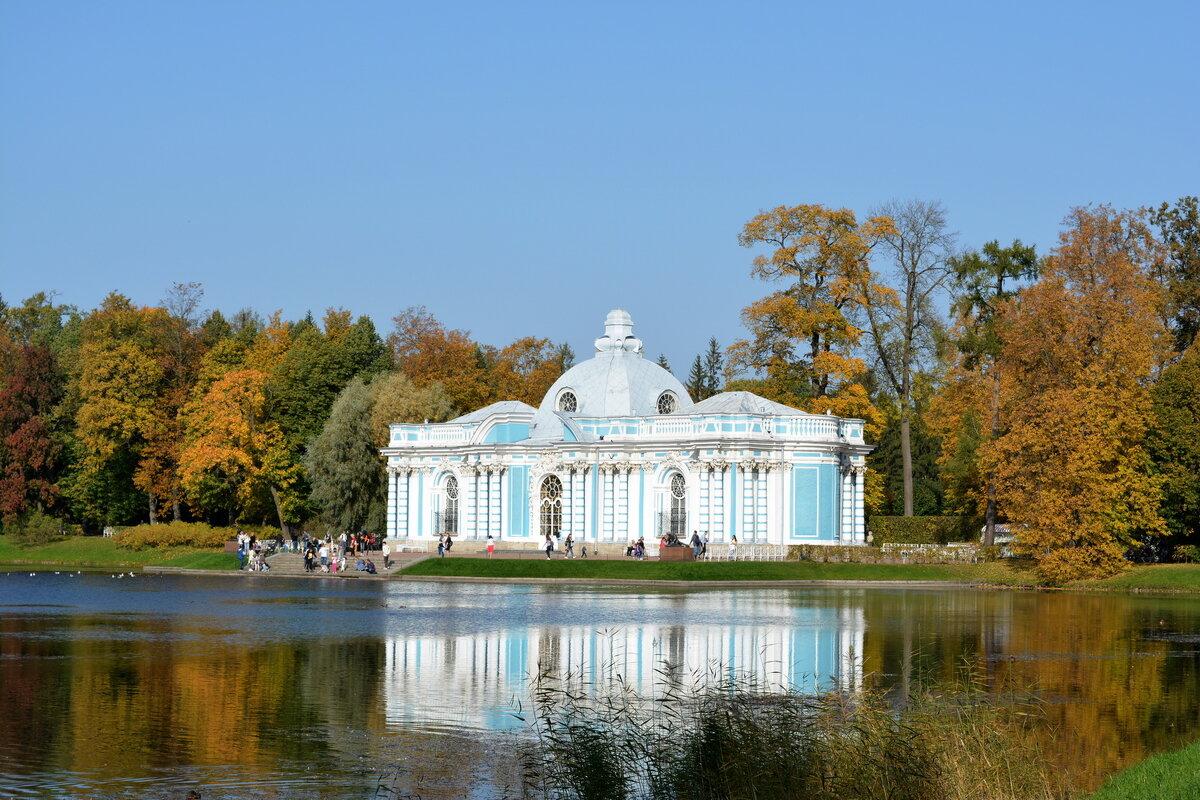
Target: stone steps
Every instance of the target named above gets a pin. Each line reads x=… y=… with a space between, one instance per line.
x=292 y=565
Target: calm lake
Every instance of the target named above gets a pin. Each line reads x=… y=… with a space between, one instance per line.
x=147 y=686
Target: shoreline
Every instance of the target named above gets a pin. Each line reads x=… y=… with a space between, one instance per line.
x=395 y=574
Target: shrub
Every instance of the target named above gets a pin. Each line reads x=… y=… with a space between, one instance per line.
x=1187 y=553
x=167 y=534
x=35 y=529
x=917 y=530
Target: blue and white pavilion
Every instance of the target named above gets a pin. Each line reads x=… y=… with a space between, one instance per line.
x=618 y=450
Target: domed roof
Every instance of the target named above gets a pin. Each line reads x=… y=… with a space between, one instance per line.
x=617 y=381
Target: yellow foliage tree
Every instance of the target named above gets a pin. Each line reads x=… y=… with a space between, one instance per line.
x=1080 y=349
x=231 y=438
x=803 y=337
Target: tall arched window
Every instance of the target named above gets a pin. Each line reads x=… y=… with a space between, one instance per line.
x=551 y=506
x=450 y=513
x=678 y=517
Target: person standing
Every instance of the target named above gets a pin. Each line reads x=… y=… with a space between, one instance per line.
x=549 y=546
x=491 y=545
x=449 y=543
x=733 y=548
x=441 y=547
x=387 y=552
x=241 y=558
x=570 y=545
x=695 y=543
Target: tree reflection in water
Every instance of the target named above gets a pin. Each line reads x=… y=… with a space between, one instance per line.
x=296 y=689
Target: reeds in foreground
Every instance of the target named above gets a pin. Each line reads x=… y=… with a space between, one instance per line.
x=732 y=740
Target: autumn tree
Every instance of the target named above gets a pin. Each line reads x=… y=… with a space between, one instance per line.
x=803 y=337
x=526 y=369
x=236 y=456
x=28 y=452
x=902 y=319
x=425 y=351
x=123 y=374
x=966 y=413
x=1080 y=348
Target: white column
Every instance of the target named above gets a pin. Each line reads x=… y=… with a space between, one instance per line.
x=391 y=504
x=785 y=503
x=635 y=501
x=745 y=479
x=502 y=502
x=763 y=508
x=846 y=506
x=727 y=512
x=568 y=499
x=404 y=489
x=466 y=509
x=717 y=484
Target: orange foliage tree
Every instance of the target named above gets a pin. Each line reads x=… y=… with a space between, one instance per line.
x=425 y=351
x=1081 y=347
x=233 y=443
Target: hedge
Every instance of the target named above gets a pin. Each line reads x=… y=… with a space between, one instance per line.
x=164 y=534
x=917 y=530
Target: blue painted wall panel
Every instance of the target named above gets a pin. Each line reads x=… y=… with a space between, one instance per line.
x=518 y=508
x=508 y=432
x=829 y=501
x=804 y=502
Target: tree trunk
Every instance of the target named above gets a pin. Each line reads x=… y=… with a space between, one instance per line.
x=153 y=510
x=177 y=510
x=906 y=459
x=989 y=518
x=279 y=509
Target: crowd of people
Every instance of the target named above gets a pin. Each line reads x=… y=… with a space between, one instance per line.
x=334 y=555
x=329 y=555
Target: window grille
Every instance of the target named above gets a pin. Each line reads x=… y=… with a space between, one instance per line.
x=551 y=506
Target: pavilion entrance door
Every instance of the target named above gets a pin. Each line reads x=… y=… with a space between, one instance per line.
x=551 y=507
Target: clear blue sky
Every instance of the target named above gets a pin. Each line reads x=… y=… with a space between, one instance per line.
x=521 y=168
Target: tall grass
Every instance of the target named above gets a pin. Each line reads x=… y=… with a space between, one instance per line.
x=736 y=740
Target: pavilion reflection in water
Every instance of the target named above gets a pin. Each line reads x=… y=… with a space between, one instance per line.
x=490 y=673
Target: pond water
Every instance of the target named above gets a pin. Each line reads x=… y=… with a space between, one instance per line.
x=147 y=686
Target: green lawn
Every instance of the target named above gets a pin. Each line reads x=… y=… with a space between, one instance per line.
x=97 y=551
x=1015 y=574
x=687 y=571
x=1168 y=776
x=1170 y=577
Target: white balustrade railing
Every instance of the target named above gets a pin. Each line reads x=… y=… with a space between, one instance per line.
x=809 y=428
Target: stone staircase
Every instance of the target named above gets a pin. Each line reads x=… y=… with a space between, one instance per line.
x=292 y=565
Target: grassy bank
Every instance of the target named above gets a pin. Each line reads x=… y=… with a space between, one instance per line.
x=1161 y=577
x=1169 y=776
x=688 y=571
x=95 y=551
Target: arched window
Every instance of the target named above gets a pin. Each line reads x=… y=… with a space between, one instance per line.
x=551 y=506
x=449 y=520
x=677 y=520
x=667 y=403
x=568 y=402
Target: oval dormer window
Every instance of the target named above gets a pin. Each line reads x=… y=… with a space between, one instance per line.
x=567 y=402
x=667 y=403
